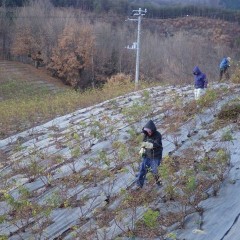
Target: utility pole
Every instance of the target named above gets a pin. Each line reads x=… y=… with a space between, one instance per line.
x=136 y=45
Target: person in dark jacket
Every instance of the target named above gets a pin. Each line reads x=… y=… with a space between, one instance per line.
x=223 y=67
x=200 y=82
x=151 y=153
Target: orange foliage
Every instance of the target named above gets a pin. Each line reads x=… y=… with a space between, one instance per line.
x=119 y=79
x=73 y=54
x=24 y=43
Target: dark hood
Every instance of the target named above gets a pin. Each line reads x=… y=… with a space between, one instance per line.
x=150 y=124
x=196 y=71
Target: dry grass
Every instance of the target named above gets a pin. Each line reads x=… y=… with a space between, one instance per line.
x=24 y=109
x=235 y=78
x=18 y=88
x=230 y=111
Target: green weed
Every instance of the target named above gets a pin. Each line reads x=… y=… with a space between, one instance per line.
x=150 y=218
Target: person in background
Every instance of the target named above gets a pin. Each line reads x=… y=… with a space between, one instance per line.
x=151 y=153
x=200 y=82
x=223 y=67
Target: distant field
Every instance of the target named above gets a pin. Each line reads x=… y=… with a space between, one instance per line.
x=28 y=97
x=19 y=80
x=17 y=89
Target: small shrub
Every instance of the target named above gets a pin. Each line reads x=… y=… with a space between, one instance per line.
x=167 y=174
x=2 y=220
x=190 y=109
x=136 y=112
x=207 y=99
x=204 y=165
x=119 y=79
x=230 y=111
x=3 y=237
x=150 y=218
x=172 y=236
x=223 y=157
x=227 y=136
x=191 y=184
x=219 y=163
x=235 y=78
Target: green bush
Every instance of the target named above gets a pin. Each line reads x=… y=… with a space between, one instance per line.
x=207 y=99
x=227 y=136
x=150 y=218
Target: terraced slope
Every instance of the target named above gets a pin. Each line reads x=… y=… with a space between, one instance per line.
x=74 y=177
x=28 y=80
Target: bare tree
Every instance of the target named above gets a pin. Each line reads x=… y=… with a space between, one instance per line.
x=5 y=26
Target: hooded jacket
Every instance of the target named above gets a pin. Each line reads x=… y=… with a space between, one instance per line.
x=155 y=139
x=224 y=64
x=200 y=80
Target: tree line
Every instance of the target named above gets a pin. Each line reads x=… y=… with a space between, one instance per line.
x=156 y=11
x=231 y=4
x=84 y=49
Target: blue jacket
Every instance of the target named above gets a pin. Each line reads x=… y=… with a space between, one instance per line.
x=224 y=64
x=200 y=80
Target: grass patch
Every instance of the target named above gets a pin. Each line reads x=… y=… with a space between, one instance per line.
x=15 y=89
x=230 y=111
x=27 y=109
x=235 y=78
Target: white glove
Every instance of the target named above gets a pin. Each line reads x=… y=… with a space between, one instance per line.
x=142 y=151
x=147 y=145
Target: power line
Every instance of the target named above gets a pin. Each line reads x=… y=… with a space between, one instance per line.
x=136 y=45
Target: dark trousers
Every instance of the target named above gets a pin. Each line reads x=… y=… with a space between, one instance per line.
x=223 y=71
x=148 y=164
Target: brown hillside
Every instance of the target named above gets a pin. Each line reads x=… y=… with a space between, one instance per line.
x=218 y=31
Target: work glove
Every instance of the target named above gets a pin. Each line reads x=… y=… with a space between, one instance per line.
x=142 y=151
x=147 y=145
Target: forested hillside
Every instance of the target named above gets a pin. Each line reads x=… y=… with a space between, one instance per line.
x=232 y=4
x=125 y=6
x=83 y=48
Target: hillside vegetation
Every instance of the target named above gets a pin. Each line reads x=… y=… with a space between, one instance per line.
x=29 y=96
x=233 y=4
x=73 y=177
x=122 y=6
x=83 y=49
